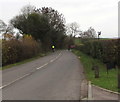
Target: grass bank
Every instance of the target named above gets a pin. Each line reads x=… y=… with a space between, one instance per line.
x=108 y=81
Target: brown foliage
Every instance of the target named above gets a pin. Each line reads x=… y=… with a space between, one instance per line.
x=15 y=50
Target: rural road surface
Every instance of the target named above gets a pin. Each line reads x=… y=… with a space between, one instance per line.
x=57 y=76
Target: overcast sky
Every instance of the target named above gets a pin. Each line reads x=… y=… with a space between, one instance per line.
x=102 y=15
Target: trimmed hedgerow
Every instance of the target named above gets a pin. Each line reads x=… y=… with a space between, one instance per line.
x=17 y=50
x=105 y=50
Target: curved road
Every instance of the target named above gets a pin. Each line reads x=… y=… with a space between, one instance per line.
x=57 y=76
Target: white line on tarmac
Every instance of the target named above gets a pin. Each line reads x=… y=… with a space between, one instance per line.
x=56 y=57
x=41 y=66
x=14 y=81
x=51 y=60
x=1 y=87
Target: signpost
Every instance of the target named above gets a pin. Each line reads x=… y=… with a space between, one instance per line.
x=99 y=33
x=96 y=68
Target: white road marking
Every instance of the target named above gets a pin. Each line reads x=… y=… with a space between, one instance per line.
x=46 y=64
x=56 y=57
x=14 y=80
x=51 y=60
x=1 y=87
x=39 y=67
x=42 y=66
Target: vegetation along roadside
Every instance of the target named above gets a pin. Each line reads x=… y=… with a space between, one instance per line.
x=106 y=80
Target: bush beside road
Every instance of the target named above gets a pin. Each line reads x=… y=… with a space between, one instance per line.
x=14 y=51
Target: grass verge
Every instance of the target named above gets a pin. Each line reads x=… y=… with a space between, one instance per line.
x=107 y=81
x=24 y=61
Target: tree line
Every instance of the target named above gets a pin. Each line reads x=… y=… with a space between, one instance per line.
x=43 y=24
x=38 y=29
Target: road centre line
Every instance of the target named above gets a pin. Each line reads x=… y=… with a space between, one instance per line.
x=56 y=57
x=1 y=87
x=15 y=80
x=42 y=66
x=51 y=60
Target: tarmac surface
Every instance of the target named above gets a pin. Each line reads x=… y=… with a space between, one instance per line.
x=57 y=76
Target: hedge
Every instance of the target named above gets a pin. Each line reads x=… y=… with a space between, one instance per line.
x=105 y=50
x=17 y=50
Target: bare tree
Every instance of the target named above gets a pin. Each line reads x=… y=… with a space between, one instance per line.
x=73 y=29
x=28 y=9
x=9 y=29
x=90 y=33
x=5 y=29
x=3 y=26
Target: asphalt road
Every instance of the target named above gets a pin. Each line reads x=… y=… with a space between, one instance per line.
x=57 y=76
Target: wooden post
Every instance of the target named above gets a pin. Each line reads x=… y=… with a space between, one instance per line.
x=96 y=71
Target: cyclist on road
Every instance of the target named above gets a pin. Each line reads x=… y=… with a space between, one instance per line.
x=53 y=48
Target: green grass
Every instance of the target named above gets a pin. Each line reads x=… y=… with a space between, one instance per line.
x=108 y=81
x=77 y=41
x=105 y=38
x=24 y=61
